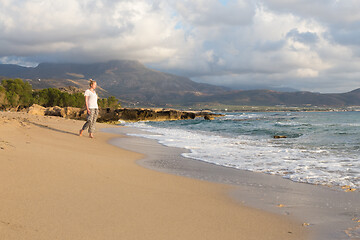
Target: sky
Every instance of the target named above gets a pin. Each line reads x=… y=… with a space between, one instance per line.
x=301 y=44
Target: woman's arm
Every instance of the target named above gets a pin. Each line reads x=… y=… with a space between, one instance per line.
x=87 y=104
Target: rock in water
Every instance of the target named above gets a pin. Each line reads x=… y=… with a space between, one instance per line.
x=208 y=117
x=279 y=136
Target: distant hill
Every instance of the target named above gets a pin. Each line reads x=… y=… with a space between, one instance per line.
x=132 y=83
x=301 y=98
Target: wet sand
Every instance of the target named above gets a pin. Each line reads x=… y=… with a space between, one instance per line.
x=57 y=185
x=330 y=213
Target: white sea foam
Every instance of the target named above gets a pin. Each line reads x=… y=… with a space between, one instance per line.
x=310 y=165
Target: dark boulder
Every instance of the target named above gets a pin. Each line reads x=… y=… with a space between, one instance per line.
x=279 y=136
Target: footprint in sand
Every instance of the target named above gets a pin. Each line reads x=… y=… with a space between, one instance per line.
x=4 y=145
x=17 y=227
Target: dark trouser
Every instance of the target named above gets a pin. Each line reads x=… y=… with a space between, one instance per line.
x=91 y=120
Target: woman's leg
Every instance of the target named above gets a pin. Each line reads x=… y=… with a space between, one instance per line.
x=94 y=114
x=86 y=124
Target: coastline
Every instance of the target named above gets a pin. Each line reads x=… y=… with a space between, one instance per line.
x=330 y=213
x=56 y=185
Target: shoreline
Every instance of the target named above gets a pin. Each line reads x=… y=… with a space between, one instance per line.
x=329 y=212
x=56 y=185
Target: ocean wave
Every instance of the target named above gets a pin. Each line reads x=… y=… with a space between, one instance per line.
x=301 y=163
x=292 y=124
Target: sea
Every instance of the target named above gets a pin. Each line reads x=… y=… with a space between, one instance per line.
x=320 y=148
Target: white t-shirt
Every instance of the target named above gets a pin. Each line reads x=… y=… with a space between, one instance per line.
x=92 y=100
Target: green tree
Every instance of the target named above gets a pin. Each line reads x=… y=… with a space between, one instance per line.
x=3 y=100
x=110 y=102
x=79 y=100
x=50 y=97
x=18 y=92
x=47 y=97
x=15 y=93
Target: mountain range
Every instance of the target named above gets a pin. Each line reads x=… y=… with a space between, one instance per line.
x=135 y=84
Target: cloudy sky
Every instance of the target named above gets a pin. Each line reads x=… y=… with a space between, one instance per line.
x=301 y=44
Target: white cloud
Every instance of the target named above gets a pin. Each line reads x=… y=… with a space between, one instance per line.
x=94 y=30
x=212 y=13
x=302 y=44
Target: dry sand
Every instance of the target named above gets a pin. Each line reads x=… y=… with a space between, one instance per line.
x=57 y=185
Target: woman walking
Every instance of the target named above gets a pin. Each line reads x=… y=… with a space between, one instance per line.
x=92 y=109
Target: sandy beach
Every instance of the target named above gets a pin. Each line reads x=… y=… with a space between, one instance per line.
x=57 y=185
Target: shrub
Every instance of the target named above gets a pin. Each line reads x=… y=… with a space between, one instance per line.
x=15 y=93
x=110 y=102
